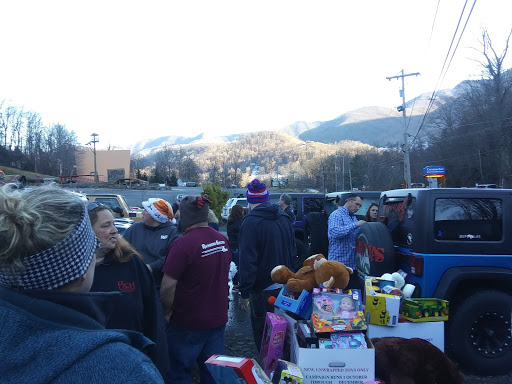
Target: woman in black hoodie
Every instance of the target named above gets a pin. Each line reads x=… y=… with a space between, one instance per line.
x=119 y=267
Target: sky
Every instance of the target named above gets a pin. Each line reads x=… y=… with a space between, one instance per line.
x=132 y=70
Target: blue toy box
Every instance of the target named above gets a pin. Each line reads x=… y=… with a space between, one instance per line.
x=301 y=305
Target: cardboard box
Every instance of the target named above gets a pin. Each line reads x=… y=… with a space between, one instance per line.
x=380 y=308
x=228 y=370
x=300 y=306
x=340 y=366
x=432 y=331
x=273 y=341
x=329 y=315
x=425 y=309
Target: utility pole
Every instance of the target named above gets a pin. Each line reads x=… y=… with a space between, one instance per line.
x=407 y=165
x=336 y=172
x=94 y=141
x=343 y=174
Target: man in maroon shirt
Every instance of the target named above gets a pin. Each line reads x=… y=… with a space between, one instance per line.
x=194 y=292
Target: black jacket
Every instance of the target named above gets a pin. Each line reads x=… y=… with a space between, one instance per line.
x=138 y=308
x=266 y=239
x=233 y=228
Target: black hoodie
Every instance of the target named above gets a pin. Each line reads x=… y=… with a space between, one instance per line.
x=266 y=239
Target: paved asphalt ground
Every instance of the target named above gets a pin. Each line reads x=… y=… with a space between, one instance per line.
x=238 y=337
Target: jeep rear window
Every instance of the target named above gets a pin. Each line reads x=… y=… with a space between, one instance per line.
x=110 y=202
x=399 y=214
x=468 y=219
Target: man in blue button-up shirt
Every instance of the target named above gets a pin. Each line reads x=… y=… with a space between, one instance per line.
x=343 y=228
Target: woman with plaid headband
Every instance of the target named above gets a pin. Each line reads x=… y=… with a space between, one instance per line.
x=53 y=329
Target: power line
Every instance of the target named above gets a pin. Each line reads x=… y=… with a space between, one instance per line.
x=434 y=93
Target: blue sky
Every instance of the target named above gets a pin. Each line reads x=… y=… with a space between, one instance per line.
x=131 y=70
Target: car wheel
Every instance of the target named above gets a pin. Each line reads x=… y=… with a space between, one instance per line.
x=316 y=229
x=375 y=253
x=479 y=333
x=302 y=254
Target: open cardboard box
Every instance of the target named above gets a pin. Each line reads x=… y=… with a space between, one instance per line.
x=341 y=366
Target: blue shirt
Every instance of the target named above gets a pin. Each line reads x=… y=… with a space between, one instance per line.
x=342 y=233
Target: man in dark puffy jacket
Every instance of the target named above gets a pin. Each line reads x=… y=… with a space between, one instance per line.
x=266 y=239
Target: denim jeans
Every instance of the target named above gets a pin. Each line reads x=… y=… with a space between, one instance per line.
x=187 y=346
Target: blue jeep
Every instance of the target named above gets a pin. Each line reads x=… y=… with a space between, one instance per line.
x=454 y=244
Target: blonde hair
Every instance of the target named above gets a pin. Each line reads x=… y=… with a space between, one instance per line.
x=35 y=220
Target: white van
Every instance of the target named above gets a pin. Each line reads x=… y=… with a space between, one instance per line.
x=232 y=201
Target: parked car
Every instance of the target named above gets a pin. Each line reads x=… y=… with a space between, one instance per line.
x=454 y=244
x=226 y=209
x=118 y=205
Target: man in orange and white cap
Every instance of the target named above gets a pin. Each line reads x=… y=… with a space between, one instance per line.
x=153 y=236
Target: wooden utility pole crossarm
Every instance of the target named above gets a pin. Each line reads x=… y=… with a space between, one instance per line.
x=407 y=166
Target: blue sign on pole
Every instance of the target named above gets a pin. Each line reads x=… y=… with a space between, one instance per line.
x=434 y=170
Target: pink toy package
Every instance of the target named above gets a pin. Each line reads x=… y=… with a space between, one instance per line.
x=273 y=341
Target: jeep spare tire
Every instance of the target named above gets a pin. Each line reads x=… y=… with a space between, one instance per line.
x=374 y=251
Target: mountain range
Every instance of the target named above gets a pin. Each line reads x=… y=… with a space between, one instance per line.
x=373 y=125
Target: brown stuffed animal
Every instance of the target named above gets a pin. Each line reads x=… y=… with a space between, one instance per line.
x=413 y=361
x=331 y=274
x=316 y=270
x=304 y=278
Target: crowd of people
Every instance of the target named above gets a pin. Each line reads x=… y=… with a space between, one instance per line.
x=147 y=306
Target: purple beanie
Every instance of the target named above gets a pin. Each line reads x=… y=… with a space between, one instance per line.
x=256 y=192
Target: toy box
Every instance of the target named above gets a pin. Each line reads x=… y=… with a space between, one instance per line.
x=287 y=372
x=343 y=366
x=381 y=308
x=431 y=331
x=350 y=340
x=334 y=312
x=295 y=303
x=273 y=341
x=425 y=310
x=229 y=370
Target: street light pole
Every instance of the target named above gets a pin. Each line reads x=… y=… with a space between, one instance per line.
x=94 y=141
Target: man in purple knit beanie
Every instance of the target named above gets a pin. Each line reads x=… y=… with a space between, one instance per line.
x=265 y=240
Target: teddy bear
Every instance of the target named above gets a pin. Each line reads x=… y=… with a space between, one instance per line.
x=331 y=273
x=304 y=278
x=316 y=271
x=406 y=361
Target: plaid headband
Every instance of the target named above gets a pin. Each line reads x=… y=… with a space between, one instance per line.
x=58 y=265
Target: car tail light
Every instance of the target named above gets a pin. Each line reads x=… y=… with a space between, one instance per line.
x=416 y=263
